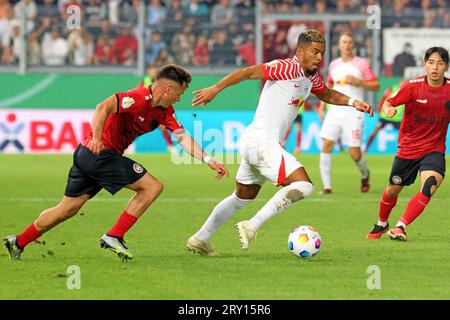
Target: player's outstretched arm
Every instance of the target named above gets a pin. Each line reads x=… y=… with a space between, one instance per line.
x=102 y=111
x=334 y=97
x=192 y=147
x=203 y=96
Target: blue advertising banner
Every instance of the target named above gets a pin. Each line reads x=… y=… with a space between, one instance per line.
x=219 y=132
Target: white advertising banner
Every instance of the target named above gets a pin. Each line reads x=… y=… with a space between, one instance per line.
x=419 y=40
x=43 y=131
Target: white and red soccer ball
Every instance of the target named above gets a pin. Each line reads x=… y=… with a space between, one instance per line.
x=304 y=242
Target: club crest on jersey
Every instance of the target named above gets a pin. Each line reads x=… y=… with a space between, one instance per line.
x=127 y=102
x=297 y=103
x=137 y=168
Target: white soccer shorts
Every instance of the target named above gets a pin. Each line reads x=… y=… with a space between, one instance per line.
x=348 y=128
x=261 y=161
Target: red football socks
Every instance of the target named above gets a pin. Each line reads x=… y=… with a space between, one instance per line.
x=28 y=235
x=125 y=222
x=386 y=205
x=299 y=139
x=415 y=207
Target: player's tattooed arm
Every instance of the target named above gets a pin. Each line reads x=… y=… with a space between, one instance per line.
x=203 y=96
x=193 y=148
x=102 y=111
x=334 y=97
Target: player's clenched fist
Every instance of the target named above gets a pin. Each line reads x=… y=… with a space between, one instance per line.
x=363 y=106
x=96 y=146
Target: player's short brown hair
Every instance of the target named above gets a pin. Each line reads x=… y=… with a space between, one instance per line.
x=174 y=73
x=439 y=50
x=309 y=36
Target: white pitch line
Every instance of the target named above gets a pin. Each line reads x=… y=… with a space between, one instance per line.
x=202 y=200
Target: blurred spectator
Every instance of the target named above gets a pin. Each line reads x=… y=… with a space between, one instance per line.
x=82 y=48
x=26 y=9
x=95 y=11
x=175 y=13
x=129 y=11
x=163 y=58
x=126 y=45
x=6 y=14
x=223 y=13
x=107 y=31
x=280 y=48
x=321 y=6
x=104 y=52
x=222 y=52
x=403 y=60
x=201 y=51
x=245 y=10
x=197 y=8
x=33 y=49
x=48 y=9
x=182 y=45
x=156 y=13
x=153 y=45
x=54 y=48
x=247 y=52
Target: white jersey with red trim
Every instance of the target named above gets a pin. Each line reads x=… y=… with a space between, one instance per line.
x=337 y=73
x=285 y=91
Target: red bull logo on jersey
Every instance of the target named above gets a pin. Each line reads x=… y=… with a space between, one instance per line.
x=297 y=103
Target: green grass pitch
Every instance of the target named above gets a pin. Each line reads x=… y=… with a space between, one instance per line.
x=164 y=269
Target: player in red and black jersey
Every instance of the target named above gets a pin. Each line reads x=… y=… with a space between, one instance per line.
x=98 y=162
x=421 y=142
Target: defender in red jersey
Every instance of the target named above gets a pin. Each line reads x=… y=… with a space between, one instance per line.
x=98 y=162
x=421 y=142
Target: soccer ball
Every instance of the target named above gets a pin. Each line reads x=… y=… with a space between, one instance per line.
x=304 y=242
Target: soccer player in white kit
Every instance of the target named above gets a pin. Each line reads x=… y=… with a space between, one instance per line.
x=289 y=83
x=350 y=75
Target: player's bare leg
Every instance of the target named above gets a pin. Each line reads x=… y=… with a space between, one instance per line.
x=430 y=181
x=387 y=203
x=223 y=211
x=371 y=138
x=296 y=186
x=147 y=188
x=47 y=220
x=298 y=138
x=325 y=166
x=361 y=163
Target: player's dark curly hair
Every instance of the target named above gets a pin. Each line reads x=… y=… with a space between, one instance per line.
x=439 y=50
x=310 y=35
x=174 y=73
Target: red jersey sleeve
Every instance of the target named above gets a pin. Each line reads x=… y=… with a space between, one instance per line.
x=170 y=121
x=318 y=86
x=131 y=101
x=403 y=95
x=385 y=95
x=281 y=69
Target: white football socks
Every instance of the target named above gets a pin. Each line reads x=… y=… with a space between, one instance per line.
x=223 y=211
x=325 y=169
x=362 y=166
x=281 y=201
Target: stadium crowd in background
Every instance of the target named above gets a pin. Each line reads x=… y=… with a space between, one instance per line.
x=187 y=32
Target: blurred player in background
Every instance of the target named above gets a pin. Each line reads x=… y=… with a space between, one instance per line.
x=350 y=75
x=98 y=162
x=384 y=119
x=421 y=142
x=298 y=125
x=148 y=81
x=289 y=83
